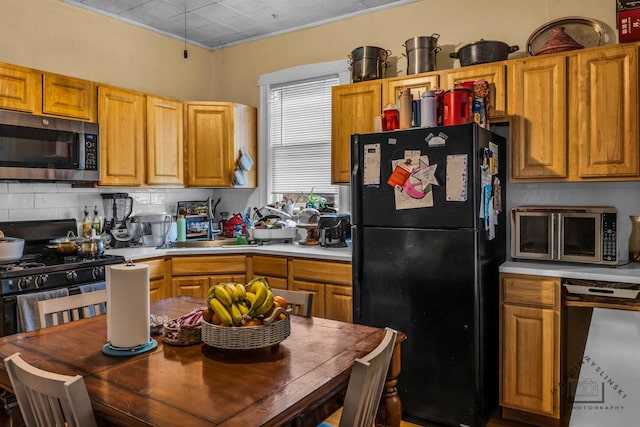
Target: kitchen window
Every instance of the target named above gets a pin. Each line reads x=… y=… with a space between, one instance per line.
x=295 y=130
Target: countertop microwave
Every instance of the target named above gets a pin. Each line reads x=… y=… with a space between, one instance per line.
x=585 y=234
x=39 y=148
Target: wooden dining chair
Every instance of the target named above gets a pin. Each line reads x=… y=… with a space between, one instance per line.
x=49 y=399
x=366 y=383
x=74 y=307
x=300 y=302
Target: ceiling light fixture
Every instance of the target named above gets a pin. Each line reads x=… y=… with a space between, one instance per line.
x=186 y=52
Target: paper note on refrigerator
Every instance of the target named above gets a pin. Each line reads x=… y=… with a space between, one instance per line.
x=457 y=177
x=371 y=164
x=414 y=193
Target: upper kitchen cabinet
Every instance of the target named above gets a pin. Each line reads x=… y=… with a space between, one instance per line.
x=418 y=84
x=494 y=73
x=121 y=115
x=165 y=148
x=69 y=97
x=538 y=110
x=215 y=133
x=604 y=124
x=353 y=110
x=20 y=89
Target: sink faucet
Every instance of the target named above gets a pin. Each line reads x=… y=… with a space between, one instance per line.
x=211 y=207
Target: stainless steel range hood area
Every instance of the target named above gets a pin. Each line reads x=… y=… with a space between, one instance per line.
x=46 y=149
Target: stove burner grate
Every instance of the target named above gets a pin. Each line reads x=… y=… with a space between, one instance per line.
x=20 y=266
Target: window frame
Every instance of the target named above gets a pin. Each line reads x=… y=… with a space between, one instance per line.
x=265 y=81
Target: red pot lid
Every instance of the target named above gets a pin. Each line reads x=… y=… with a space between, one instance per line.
x=559 y=42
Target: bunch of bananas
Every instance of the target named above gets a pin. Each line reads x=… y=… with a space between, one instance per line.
x=235 y=304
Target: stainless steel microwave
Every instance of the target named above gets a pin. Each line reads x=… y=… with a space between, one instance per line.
x=586 y=234
x=39 y=148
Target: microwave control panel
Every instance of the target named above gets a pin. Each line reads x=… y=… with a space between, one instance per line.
x=609 y=243
x=91 y=152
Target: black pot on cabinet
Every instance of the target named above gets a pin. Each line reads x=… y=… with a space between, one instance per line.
x=334 y=229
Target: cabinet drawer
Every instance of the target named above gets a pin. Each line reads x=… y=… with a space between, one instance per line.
x=156 y=268
x=320 y=271
x=208 y=265
x=531 y=290
x=269 y=266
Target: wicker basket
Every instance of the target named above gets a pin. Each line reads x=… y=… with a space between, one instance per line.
x=246 y=337
x=184 y=336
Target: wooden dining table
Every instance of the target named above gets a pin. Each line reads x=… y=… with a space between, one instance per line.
x=299 y=381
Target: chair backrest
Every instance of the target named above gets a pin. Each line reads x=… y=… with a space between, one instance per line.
x=49 y=399
x=366 y=384
x=73 y=307
x=300 y=302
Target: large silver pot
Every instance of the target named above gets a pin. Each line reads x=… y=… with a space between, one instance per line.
x=421 y=53
x=11 y=248
x=368 y=63
x=483 y=51
x=91 y=248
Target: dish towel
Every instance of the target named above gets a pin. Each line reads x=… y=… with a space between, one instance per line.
x=93 y=287
x=27 y=308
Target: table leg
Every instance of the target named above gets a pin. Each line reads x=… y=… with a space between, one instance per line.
x=390 y=409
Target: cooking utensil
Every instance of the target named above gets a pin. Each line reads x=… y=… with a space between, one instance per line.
x=368 y=63
x=421 y=53
x=64 y=245
x=584 y=31
x=90 y=248
x=11 y=248
x=483 y=51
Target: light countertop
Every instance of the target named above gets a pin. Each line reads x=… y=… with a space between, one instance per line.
x=282 y=249
x=627 y=273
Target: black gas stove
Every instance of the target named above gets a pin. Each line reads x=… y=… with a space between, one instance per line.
x=41 y=270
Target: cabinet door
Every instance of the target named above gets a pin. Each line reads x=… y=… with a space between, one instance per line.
x=20 y=89
x=418 y=85
x=528 y=356
x=493 y=73
x=318 y=295
x=122 y=136
x=165 y=163
x=209 y=157
x=69 y=97
x=339 y=303
x=606 y=126
x=353 y=110
x=537 y=106
x=158 y=289
x=196 y=286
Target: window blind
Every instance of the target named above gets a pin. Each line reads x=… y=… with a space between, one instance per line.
x=300 y=136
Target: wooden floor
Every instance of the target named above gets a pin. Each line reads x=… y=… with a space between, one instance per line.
x=495 y=421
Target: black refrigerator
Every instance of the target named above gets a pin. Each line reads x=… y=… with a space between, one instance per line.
x=428 y=237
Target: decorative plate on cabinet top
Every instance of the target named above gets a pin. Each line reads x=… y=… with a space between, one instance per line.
x=584 y=31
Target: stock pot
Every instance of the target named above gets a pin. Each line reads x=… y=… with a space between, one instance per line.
x=10 y=248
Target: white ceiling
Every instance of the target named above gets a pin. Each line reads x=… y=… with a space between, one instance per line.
x=214 y=24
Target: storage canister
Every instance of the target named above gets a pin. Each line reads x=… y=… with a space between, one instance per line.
x=404 y=100
x=428 y=110
x=421 y=53
x=457 y=106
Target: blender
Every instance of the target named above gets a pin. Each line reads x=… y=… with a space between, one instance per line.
x=117 y=209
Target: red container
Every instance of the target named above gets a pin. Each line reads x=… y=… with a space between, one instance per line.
x=629 y=25
x=457 y=106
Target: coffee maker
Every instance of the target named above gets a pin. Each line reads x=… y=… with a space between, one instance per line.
x=334 y=229
x=117 y=210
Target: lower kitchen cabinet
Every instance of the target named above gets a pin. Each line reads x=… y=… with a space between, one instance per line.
x=530 y=387
x=159 y=286
x=194 y=275
x=330 y=283
x=274 y=268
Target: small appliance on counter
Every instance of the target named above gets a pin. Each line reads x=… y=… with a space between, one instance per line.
x=334 y=229
x=154 y=228
x=117 y=210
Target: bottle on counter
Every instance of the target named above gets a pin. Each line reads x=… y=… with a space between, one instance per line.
x=181 y=228
x=86 y=223
x=96 y=222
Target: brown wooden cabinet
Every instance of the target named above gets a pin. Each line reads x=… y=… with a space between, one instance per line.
x=164 y=153
x=353 y=110
x=330 y=283
x=494 y=73
x=69 y=97
x=159 y=286
x=274 y=268
x=121 y=114
x=418 y=84
x=194 y=275
x=215 y=133
x=20 y=89
x=530 y=347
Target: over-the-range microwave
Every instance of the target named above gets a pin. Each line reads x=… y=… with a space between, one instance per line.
x=586 y=234
x=39 y=148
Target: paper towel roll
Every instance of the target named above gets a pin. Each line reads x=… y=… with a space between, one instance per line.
x=128 y=305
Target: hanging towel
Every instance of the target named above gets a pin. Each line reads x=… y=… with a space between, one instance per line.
x=92 y=287
x=27 y=308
